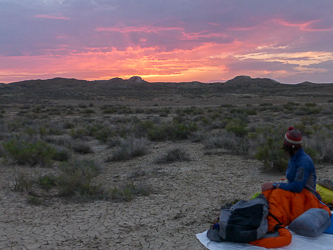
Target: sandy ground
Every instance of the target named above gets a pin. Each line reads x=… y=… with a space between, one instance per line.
x=187 y=197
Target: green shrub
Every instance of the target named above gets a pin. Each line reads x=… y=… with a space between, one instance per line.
x=290 y=106
x=226 y=105
x=142 y=128
x=47 y=181
x=174 y=131
x=245 y=111
x=28 y=150
x=308 y=110
x=272 y=155
x=237 y=127
x=104 y=134
x=78 y=133
x=310 y=104
x=190 y=111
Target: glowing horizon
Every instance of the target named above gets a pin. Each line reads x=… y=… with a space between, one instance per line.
x=206 y=41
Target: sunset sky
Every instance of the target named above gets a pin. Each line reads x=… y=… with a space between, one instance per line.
x=290 y=41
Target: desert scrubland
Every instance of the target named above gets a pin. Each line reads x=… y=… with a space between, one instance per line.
x=127 y=164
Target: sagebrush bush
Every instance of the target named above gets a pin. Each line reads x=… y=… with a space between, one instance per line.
x=61 y=154
x=198 y=136
x=320 y=145
x=128 y=148
x=76 y=179
x=142 y=128
x=82 y=148
x=228 y=141
x=28 y=150
x=174 y=155
x=237 y=127
x=272 y=155
x=113 y=142
x=68 y=125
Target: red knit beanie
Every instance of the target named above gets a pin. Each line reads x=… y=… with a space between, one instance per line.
x=293 y=138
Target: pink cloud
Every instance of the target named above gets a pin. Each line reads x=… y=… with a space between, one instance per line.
x=241 y=28
x=202 y=34
x=305 y=26
x=145 y=29
x=56 y=16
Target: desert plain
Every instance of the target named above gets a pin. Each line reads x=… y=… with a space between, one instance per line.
x=174 y=185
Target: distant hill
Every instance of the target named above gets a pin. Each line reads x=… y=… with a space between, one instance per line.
x=136 y=87
x=247 y=81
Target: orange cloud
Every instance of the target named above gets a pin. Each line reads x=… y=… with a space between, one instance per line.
x=193 y=64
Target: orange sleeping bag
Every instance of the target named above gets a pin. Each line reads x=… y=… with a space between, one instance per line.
x=286 y=206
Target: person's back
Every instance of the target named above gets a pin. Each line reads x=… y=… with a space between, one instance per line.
x=300 y=174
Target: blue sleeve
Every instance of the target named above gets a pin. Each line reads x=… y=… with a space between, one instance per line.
x=301 y=178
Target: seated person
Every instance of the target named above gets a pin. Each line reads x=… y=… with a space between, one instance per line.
x=301 y=171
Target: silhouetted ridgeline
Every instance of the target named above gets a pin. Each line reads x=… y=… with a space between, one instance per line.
x=63 y=88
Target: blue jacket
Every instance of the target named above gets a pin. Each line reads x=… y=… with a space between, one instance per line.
x=300 y=174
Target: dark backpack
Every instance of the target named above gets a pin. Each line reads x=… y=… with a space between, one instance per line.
x=244 y=222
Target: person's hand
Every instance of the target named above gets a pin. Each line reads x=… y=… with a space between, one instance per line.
x=267 y=186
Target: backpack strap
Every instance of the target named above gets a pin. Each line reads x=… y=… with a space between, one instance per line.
x=277 y=226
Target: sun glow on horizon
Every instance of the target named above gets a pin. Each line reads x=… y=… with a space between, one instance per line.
x=162 y=42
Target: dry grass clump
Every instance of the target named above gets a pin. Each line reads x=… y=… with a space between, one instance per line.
x=128 y=191
x=228 y=141
x=21 y=182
